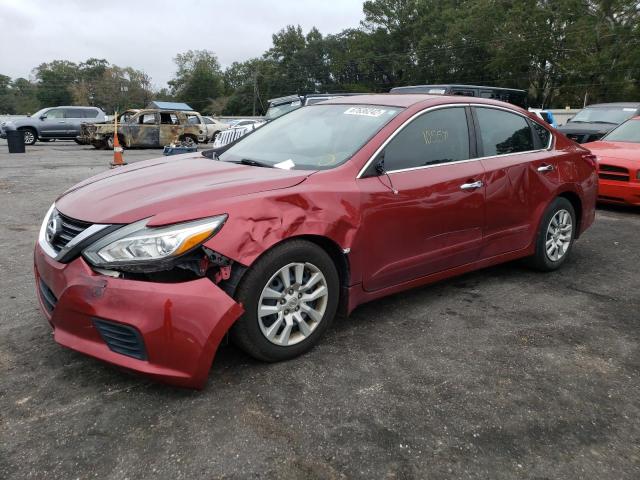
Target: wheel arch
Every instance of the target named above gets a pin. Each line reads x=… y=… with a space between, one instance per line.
x=576 y=203
x=32 y=128
x=191 y=135
x=329 y=246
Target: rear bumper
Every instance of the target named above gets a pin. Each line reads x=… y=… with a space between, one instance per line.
x=180 y=324
x=623 y=193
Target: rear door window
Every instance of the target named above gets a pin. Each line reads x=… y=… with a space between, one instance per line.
x=169 y=118
x=74 y=113
x=439 y=136
x=193 y=119
x=502 y=132
x=147 y=119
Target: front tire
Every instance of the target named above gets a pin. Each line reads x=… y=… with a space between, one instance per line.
x=30 y=136
x=290 y=296
x=555 y=236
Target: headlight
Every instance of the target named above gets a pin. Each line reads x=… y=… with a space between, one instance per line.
x=137 y=243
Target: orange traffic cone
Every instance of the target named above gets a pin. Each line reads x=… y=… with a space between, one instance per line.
x=117 y=161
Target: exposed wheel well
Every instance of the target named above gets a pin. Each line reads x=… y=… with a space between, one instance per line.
x=329 y=246
x=577 y=206
x=190 y=135
x=33 y=129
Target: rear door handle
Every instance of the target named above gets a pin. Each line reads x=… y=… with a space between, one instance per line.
x=471 y=186
x=545 y=168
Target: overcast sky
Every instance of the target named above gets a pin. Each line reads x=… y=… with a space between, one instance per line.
x=147 y=34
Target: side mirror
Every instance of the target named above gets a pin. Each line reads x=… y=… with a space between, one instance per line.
x=43 y=116
x=569 y=119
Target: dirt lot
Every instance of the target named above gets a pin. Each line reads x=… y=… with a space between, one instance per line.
x=500 y=374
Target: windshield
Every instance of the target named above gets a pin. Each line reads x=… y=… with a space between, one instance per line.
x=276 y=111
x=613 y=115
x=312 y=138
x=629 y=131
x=40 y=112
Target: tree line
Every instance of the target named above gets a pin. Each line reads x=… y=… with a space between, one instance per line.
x=563 y=52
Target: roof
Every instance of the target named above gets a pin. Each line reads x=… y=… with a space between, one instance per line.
x=456 y=85
x=410 y=99
x=616 y=104
x=387 y=99
x=169 y=106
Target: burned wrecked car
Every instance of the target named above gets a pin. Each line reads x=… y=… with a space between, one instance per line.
x=86 y=129
x=149 y=128
x=148 y=267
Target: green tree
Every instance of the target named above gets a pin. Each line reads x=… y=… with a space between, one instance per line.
x=55 y=82
x=198 y=79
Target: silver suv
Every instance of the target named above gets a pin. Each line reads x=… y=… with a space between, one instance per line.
x=53 y=123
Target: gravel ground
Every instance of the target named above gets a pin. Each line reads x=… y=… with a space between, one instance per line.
x=499 y=374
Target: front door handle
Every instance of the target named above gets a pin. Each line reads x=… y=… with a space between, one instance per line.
x=545 y=168
x=471 y=186
x=61 y=121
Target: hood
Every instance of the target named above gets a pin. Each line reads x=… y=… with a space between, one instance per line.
x=571 y=127
x=625 y=151
x=174 y=188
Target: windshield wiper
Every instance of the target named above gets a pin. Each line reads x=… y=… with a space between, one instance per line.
x=602 y=121
x=255 y=163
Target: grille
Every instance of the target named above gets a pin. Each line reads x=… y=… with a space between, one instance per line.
x=228 y=136
x=48 y=298
x=70 y=229
x=612 y=172
x=121 y=339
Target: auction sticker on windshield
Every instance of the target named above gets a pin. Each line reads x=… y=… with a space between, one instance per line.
x=365 y=111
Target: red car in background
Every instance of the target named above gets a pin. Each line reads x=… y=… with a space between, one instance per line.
x=330 y=206
x=618 y=156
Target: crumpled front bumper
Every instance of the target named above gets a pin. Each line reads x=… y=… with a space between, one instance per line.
x=180 y=324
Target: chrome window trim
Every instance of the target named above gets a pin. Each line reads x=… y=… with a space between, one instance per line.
x=449 y=105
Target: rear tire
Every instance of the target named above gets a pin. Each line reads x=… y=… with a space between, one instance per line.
x=301 y=311
x=189 y=141
x=555 y=236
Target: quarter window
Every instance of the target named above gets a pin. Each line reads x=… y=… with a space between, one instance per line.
x=502 y=132
x=542 y=133
x=436 y=137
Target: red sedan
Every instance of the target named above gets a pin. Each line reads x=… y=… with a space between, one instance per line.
x=619 y=164
x=149 y=266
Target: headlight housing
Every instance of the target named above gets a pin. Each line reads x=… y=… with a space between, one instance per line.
x=137 y=244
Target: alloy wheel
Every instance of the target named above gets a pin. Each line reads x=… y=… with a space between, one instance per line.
x=292 y=303
x=559 y=234
x=29 y=137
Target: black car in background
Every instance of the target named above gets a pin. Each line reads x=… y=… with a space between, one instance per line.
x=595 y=121
x=510 y=95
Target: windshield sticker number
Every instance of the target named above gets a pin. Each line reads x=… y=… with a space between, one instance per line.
x=365 y=111
x=435 y=136
x=286 y=165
